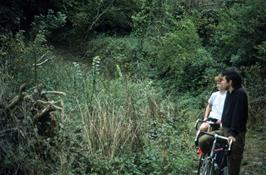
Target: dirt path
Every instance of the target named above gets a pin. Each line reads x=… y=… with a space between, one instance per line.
x=254 y=161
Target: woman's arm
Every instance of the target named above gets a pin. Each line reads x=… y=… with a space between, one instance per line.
x=207 y=111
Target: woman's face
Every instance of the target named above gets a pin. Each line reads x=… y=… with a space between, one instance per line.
x=220 y=86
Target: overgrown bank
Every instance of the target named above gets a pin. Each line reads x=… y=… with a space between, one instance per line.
x=132 y=95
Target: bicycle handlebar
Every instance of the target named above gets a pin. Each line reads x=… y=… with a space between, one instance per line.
x=216 y=136
x=203 y=121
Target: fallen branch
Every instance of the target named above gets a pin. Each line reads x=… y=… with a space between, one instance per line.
x=51 y=103
x=45 y=111
x=53 y=92
x=14 y=101
x=22 y=88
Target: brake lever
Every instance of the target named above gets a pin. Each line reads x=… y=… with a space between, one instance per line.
x=230 y=144
x=196 y=124
x=197 y=137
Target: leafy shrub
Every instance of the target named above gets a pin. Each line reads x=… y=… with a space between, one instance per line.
x=48 y=23
x=181 y=62
x=21 y=58
x=255 y=86
x=240 y=31
x=206 y=25
x=123 y=52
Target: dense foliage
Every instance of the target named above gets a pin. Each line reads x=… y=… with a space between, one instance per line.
x=137 y=74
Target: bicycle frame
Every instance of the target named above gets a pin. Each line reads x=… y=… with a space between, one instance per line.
x=207 y=164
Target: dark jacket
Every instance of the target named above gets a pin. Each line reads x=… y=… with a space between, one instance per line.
x=235 y=112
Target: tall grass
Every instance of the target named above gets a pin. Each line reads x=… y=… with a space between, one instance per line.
x=121 y=119
x=108 y=129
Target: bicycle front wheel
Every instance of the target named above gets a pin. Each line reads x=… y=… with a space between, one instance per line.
x=206 y=167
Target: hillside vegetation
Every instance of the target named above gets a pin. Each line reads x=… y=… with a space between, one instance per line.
x=114 y=87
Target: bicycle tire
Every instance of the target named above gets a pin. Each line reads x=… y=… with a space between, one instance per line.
x=199 y=166
x=223 y=168
x=206 y=167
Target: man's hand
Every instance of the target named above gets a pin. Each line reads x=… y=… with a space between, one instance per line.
x=231 y=139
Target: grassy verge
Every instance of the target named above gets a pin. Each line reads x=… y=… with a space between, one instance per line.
x=118 y=126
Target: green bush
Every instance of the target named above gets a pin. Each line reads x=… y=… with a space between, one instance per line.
x=122 y=52
x=21 y=58
x=181 y=62
x=239 y=33
x=48 y=23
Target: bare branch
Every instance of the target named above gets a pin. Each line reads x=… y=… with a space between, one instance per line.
x=41 y=63
x=22 y=88
x=51 y=103
x=98 y=16
x=53 y=92
x=14 y=101
x=44 y=112
x=43 y=56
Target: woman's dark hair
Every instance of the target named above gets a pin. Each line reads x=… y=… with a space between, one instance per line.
x=232 y=74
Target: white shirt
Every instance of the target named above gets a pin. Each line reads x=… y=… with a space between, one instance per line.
x=217 y=104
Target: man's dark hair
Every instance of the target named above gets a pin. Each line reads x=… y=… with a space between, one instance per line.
x=232 y=74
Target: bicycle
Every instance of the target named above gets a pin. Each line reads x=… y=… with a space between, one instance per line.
x=215 y=161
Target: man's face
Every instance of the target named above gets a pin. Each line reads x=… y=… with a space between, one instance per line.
x=226 y=84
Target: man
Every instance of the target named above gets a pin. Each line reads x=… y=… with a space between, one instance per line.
x=234 y=119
